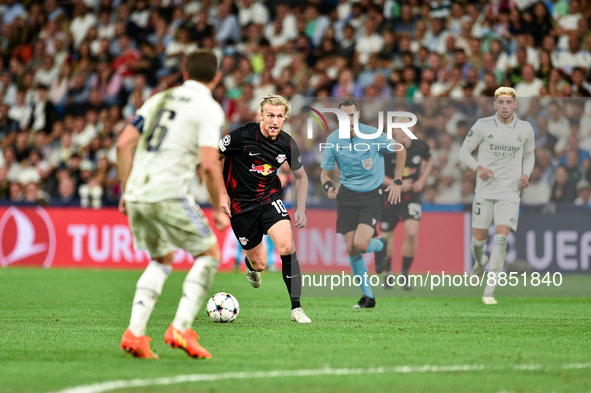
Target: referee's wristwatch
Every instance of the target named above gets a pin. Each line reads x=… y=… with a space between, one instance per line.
x=398 y=182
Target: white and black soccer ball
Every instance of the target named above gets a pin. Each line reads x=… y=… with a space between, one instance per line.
x=223 y=307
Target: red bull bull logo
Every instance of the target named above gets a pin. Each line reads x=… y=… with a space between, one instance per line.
x=264 y=169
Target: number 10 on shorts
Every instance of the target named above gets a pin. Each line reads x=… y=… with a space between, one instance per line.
x=280 y=207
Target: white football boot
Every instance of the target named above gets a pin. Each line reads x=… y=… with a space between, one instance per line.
x=298 y=315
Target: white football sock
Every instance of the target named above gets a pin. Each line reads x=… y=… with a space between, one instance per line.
x=195 y=288
x=147 y=290
x=497 y=260
x=478 y=249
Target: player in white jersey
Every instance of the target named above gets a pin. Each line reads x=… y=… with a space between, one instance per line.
x=505 y=161
x=173 y=132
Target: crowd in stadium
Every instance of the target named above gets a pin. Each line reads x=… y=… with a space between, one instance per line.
x=72 y=74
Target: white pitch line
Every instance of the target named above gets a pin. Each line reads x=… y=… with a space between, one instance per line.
x=135 y=383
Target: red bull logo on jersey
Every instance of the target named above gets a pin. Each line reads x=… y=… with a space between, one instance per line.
x=264 y=169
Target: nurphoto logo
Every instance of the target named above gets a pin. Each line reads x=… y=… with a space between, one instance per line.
x=345 y=124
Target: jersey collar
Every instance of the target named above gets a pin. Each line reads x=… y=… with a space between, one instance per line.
x=510 y=125
x=198 y=86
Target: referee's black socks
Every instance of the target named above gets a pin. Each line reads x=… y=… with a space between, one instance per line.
x=292 y=277
x=406 y=262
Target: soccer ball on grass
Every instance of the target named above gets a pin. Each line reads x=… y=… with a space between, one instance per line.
x=223 y=307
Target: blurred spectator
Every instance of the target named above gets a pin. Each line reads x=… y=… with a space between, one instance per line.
x=251 y=11
x=58 y=91
x=141 y=14
x=346 y=85
x=77 y=95
x=346 y=46
x=530 y=86
x=44 y=113
x=574 y=56
x=21 y=146
x=450 y=190
x=4 y=183
x=179 y=47
x=584 y=158
x=581 y=87
x=558 y=124
x=538 y=192
x=544 y=140
x=8 y=127
x=563 y=190
x=33 y=193
x=10 y=162
x=83 y=20
x=369 y=42
x=90 y=190
x=107 y=83
x=105 y=25
x=572 y=167
x=66 y=149
x=468 y=187
x=228 y=28
x=16 y=193
x=47 y=73
x=7 y=88
x=20 y=111
x=12 y=10
x=584 y=193
x=66 y=193
x=125 y=63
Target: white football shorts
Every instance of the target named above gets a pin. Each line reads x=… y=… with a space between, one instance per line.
x=501 y=212
x=166 y=226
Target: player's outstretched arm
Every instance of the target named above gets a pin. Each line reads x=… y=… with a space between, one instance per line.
x=425 y=172
x=394 y=190
x=301 y=186
x=214 y=181
x=329 y=187
x=529 y=160
x=465 y=156
x=126 y=144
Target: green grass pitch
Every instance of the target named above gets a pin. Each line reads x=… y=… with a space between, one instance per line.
x=61 y=329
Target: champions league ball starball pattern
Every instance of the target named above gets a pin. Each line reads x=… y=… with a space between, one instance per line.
x=223 y=307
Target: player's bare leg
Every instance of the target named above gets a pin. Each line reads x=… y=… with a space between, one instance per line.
x=389 y=236
x=478 y=245
x=148 y=289
x=409 y=248
x=281 y=235
x=255 y=262
x=497 y=260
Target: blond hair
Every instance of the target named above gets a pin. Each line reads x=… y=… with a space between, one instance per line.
x=275 y=100
x=505 y=91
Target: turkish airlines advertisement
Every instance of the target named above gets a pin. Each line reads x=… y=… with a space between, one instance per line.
x=86 y=238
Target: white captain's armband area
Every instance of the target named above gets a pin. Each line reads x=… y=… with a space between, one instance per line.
x=138 y=122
